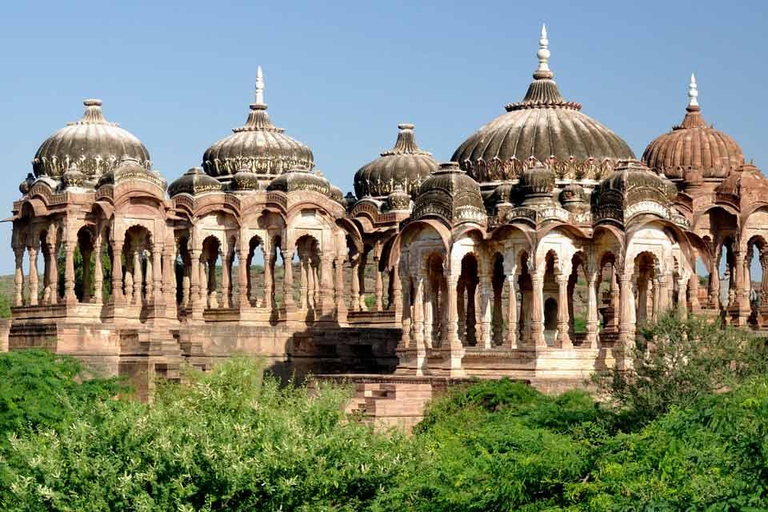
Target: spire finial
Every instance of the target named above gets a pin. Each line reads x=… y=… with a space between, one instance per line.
x=693 y=93
x=543 y=70
x=259 y=87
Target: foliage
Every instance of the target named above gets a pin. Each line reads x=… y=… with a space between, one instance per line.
x=680 y=361
x=40 y=390
x=229 y=440
x=5 y=306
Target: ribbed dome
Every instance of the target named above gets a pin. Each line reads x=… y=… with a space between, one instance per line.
x=693 y=145
x=257 y=146
x=302 y=179
x=94 y=145
x=194 y=182
x=632 y=183
x=404 y=165
x=542 y=128
x=451 y=194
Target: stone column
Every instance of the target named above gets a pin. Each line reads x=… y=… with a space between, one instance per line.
x=405 y=338
x=429 y=306
x=53 y=272
x=512 y=323
x=326 y=285
x=591 y=339
x=742 y=290
x=157 y=274
x=226 y=268
x=355 y=286
x=396 y=301
x=452 y=322
x=486 y=290
x=86 y=254
x=98 y=272
x=563 y=318
x=242 y=277
x=378 y=285
x=195 y=271
x=303 y=278
x=33 y=278
x=626 y=314
x=361 y=278
x=269 y=282
x=682 y=287
x=69 y=272
x=537 y=310
x=138 y=276
x=658 y=294
x=461 y=309
x=764 y=287
x=418 y=314
x=169 y=275
x=117 y=272
x=714 y=284
x=694 y=291
x=147 y=278
x=341 y=307
x=288 y=302
x=18 y=278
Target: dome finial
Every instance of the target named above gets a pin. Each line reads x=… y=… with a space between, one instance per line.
x=259 y=86
x=543 y=71
x=693 y=94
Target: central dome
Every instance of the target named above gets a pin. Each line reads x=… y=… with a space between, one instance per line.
x=542 y=128
x=259 y=147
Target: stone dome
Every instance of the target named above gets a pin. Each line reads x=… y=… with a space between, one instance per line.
x=194 y=182
x=405 y=165
x=451 y=194
x=257 y=146
x=693 y=145
x=631 y=183
x=536 y=185
x=92 y=144
x=244 y=180
x=303 y=179
x=544 y=128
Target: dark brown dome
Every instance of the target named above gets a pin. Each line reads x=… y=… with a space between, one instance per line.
x=405 y=165
x=449 y=193
x=544 y=128
x=92 y=144
x=302 y=179
x=258 y=146
x=194 y=182
x=693 y=146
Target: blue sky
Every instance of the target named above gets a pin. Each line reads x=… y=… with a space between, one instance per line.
x=341 y=75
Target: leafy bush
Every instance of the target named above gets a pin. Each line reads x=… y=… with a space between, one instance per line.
x=680 y=361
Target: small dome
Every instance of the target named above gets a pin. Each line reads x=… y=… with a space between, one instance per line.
x=257 y=146
x=301 y=179
x=92 y=144
x=244 y=180
x=543 y=127
x=194 y=182
x=405 y=165
x=451 y=194
x=399 y=200
x=746 y=180
x=73 y=178
x=632 y=182
x=537 y=184
x=693 y=145
x=130 y=169
x=573 y=198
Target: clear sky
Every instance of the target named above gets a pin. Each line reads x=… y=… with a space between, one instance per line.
x=341 y=75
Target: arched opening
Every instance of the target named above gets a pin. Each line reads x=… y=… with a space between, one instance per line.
x=138 y=274
x=525 y=285
x=183 y=268
x=256 y=285
x=209 y=291
x=608 y=298
x=550 y=316
x=757 y=258
x=466 y=290
x=497 y=316
x=551 y=295
x=578 y=298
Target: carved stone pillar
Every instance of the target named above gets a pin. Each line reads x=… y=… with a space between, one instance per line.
x=33 y=278
x=591 y=339
x=157 y=274
x=418 y=314
x=626 y=315
x=303 y=284
x=658 y=299
x=764 y=287
x=243 y=285
x=147 y=279
x=86 y=254
x=69 y=272
x=361 y=280
x=378 y=285
x=355 y=286
x=461 y=310
x=693 y=287
x=53 y=271
x=682 y=287
x=341 y=307
x=226 y=268
x=98 y=272
x=326 y=285
x=18 y=278
x=405 y=338
x=512 y=322
x=194 y=284
x=452 y=322
x=537 y=310
x=268 y=301
x=138 y=276
x=169 y=276
x=396 y=301
x=563 y=319
x=486 y=291
x=117 y=273
x=288 y=302
x=742 y=288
